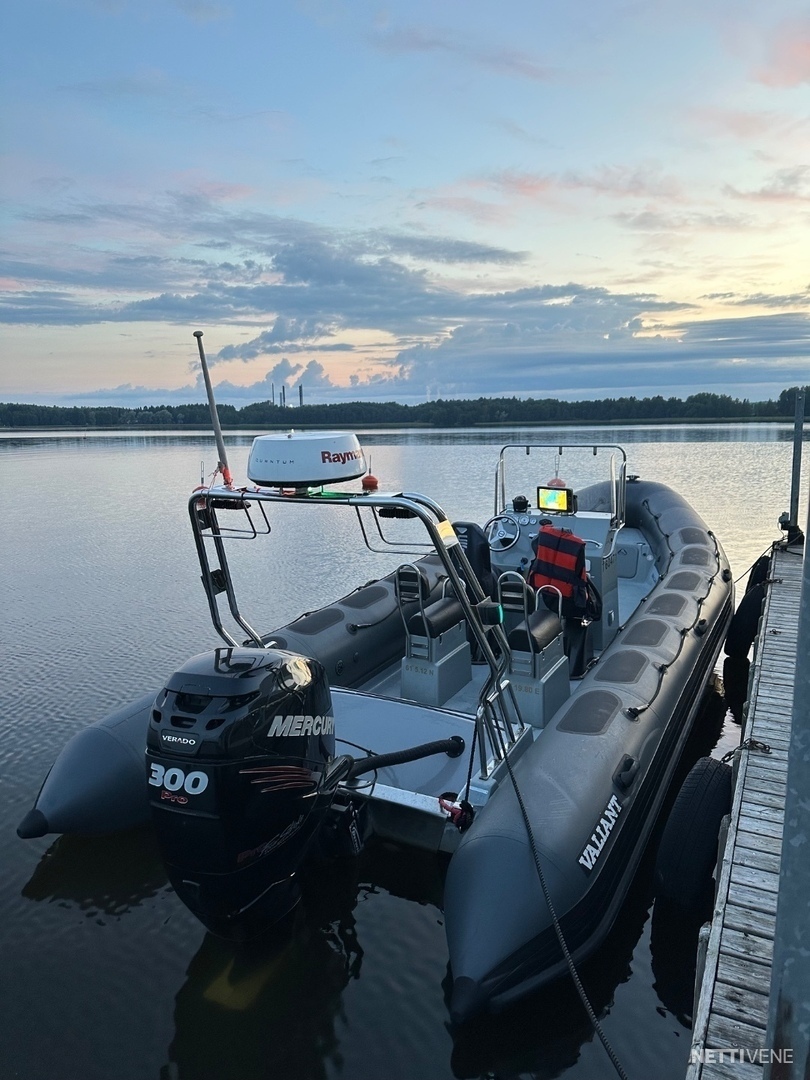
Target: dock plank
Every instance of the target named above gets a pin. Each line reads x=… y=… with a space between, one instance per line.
x=743 y=974
x=756 y=859
x=755 y=877
x=732 y=1003
x=756 y=783
x=755 y=823
x=746 y=946
x=726 y=1033
x=759 y=842
x=741 y=1005
x=747 y=921
x=774 y=800
x=731 y=1070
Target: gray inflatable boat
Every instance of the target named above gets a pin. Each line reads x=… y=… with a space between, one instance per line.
x=515 y=694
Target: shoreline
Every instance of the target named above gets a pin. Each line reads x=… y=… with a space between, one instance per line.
x=724 y=421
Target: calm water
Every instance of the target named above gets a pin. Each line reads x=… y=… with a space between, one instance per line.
x=105 y=976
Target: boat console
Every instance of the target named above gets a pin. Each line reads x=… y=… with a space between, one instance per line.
x=512 y=531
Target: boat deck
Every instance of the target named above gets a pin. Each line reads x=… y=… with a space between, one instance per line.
x=633 y=586
x=731 y=1017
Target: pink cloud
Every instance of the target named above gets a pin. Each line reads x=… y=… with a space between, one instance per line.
x=474 y=209
x=788 y=60
x=623 y=181
x=215 y=190
x=221 y=191
x=736 y=122
x=523 y=185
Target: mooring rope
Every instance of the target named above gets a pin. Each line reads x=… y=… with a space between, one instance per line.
x=583 y=997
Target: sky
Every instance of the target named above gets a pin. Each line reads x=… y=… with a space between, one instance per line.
x=403 y=201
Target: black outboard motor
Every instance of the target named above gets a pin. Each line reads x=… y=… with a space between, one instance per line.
x=236 y=754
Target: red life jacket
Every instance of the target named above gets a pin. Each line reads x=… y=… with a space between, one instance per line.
x=560 y=561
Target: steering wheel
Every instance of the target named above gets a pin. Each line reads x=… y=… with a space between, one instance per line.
x=502 y=532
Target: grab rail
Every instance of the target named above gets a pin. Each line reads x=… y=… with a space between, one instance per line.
x=498 y=710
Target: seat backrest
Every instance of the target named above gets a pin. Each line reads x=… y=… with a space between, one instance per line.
x=411 y=585
x=475 y=545
x=515 y=595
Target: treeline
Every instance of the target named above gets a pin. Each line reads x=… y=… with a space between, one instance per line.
x=440 y=413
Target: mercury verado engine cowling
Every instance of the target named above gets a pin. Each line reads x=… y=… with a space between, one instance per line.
x=237 y=750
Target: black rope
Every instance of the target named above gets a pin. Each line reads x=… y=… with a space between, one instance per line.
x=472 y=760
x=583 y=997
x=756 y=560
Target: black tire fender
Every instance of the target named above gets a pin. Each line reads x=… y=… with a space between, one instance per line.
x=743 y=626
x=687 y=852
x=759 y=572
x=735 y=684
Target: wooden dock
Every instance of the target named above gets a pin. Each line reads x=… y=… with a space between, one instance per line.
x=731 y=1018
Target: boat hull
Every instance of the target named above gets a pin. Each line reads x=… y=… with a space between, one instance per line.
x=97 y=784
x=592 y=784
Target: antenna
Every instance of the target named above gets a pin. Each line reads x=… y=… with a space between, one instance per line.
x=222 y=464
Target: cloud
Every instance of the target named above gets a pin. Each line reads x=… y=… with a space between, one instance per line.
x=788 y=55
x=739 y=123
x=442 y=249
x=198 y=10
x=514 y=187
x=288 y=267
x=518 y=132
x=286 y=335
x=581 y=359
x=660 y=221
x=303 y=290
x=579 y=352
x=799 y=299
x=634 y=181
x=501 y=61
x=150 y=83
x=790 y=184
x=477 y=210
x=201 y=10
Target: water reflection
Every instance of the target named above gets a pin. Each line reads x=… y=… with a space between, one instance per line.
x=673 y=952
x=110 y=875
x=544 y=1034
x=269 y=1008
x=492 y=436
x=637 y=433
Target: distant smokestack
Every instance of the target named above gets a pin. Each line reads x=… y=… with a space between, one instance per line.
x=283 y=396
x=300 y=393
x=272 y=393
